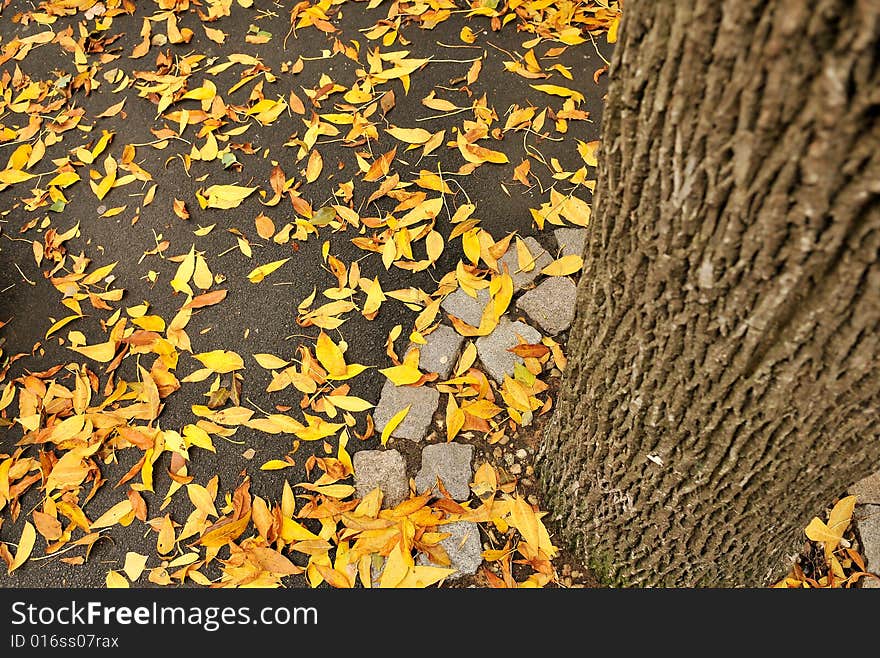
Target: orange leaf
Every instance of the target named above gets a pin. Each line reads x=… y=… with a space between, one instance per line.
x=206 y=299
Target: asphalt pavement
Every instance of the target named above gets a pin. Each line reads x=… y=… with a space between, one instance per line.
x=256 y=318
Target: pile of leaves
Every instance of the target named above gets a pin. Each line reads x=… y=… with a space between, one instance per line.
x=830 y=558
x=80 y=419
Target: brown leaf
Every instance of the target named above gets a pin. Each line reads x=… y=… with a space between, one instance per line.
x=273 y=562
x=529 y=350
x=47 y=525
x=138 y=505
x=295 y=103
x=206 y=299
x=265 y=226
x=381 y=166
x=180 y=209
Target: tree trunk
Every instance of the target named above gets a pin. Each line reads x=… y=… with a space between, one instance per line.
x=724 y=382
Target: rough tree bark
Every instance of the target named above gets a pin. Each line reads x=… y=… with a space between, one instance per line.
x=724 y=381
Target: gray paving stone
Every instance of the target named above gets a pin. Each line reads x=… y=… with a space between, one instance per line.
x=423 y=402
x=451 y=462
x=551 y=304
x=492 y=349
x=462 y=546
x=385 y=469
x=868 y=525
x=522 y=279
x=867 y=490
x=440 y=352
x=463 y=306
x=571 y=240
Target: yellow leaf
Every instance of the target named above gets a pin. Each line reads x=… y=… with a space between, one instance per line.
x=524 y=519
x=223 y=534
x=454 y=418
x=259 y=273
x=184 y=272
x=113 y=515
x=587 y=151
x=841 y=514
x=612 y=30
x=524 y=259
x=556 y=90
x=470 y=243
x=349 y=403
x=314 y=167
x=134 y=565
x=221 y=361
x=150 y=322
x=202 y=276
x=483 y=409
x=228 y=416
x=292 y=531
x=63 y=321
x=395 y=420
x=410 y=135
x=217 y=36
x=201 y=498
x=275 y=465
x=226 y=196
x=485 y=481
x=25 y=546
x=434 y=246
x=317 y=429
x=270 y=361
x=165 y=541
x=330 y=355
x=116 y=580
x=563 y=71
x=432 y=181
x=402 y=375
x=424 y=576
x=838 y=521
x=102 y=352
x=12 y=176
x=112 y=212
x=195 y=436
x=204 y=93
x=564 y=266
x=351 y=370
x=64 y=179
x=98 y=274
x=407 y=372
x=335 y=490
x=397 y=567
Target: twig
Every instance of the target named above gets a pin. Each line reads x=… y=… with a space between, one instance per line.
x=446 y=114
x=607 y=63
x=23 y=276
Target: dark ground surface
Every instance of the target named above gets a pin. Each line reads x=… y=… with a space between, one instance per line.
x=255 y=318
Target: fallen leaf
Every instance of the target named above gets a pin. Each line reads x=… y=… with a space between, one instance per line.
x=206 y=299
x=221 y=361
x=116 y=580
x=25 y=546
x=257 y=274
x=392 y=424
x=564 y=266
x=224 y=196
